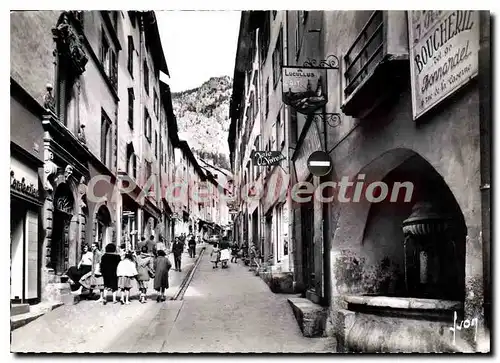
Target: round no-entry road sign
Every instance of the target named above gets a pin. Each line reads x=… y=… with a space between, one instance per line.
x=319 y=163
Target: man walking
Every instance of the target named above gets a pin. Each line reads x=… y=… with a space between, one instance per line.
x=177 y=249
x=151 y=244
x=192 y=246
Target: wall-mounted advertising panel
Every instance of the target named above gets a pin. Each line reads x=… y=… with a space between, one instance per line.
x=444 y=47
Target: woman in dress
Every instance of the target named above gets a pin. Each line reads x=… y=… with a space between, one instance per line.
x=75 y=273
x=126 y=271
x=93 y=279
x=109 y=263
x=145 y=270
x=161 y=267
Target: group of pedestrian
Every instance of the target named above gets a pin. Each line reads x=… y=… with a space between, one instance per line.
x=115 y=270
x=220 y=254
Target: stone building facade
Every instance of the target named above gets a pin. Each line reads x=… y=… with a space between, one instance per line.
x=258 y=124
x=98 y=125
x=355 y=257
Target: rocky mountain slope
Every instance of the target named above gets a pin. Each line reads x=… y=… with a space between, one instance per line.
x=203 y=119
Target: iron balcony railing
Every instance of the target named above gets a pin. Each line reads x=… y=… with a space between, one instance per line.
x=365 y=52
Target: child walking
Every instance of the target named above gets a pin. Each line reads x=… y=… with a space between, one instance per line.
x=215 y=255
x=126 y=271
x=161 y=267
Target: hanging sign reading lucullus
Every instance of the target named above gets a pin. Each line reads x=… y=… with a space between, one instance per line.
x=444 y=48
x=303 y=89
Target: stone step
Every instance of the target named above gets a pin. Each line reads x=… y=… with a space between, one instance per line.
x=311 y=317
x=20 y=320
x=16 y=309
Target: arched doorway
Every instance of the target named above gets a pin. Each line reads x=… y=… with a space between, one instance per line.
x=63 y=212
x=426 y=259
x=102 y=231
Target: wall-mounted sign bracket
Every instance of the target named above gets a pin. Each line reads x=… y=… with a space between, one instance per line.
x=332 y=119
x=330 y=62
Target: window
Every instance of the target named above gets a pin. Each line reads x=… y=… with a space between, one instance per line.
x=299 y=31
x=147 y=125
x=132 y=17
x=156 y=144
x=104 y=50
x=278 y=59
x=156 y=104
x=109 y=60
x=148 y=171
x=365 y=53
x=256 y=89
x=114 y=19
x=130 y=60
x=146 y=77
x=264 y=40
x=113 y=69
x=267 y=96
x=256 y=146
x=105 y=139
x=131 y=161
x=279 y=140
x=131 y=107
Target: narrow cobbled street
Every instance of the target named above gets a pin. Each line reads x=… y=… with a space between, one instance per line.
x=231 y=310
x=222 y=310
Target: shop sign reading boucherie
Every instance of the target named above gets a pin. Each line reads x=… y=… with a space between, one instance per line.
x=444 y=48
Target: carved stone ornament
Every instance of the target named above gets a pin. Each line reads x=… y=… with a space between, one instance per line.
x=82 y=192
x=70 y=44
x=49 y=171
x=81 y=135
x=68 y=172
x=49 y=101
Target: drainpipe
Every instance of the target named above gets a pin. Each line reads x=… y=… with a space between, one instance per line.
x=141 y=113
x=485 y=152
x=286 y=124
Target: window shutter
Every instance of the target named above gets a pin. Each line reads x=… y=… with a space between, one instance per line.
x=114 y=69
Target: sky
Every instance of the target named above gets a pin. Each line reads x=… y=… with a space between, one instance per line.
x=198 y=45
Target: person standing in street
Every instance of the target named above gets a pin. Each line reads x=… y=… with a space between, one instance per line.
x=161 y=267
x=151 y=245
x=145 y=271
x=75 y=274
x=192 y=246
x=234 y=252
x=126 y=271
x=160 y=246
x=177 y=249
x=109 y=264
x=215 y=255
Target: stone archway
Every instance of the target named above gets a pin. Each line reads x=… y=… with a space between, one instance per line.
x=369 y=240
x=63 y=212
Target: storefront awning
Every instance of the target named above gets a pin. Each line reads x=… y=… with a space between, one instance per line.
x=151 y=209
x=168 y=209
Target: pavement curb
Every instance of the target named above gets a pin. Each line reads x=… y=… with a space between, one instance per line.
x=189 y=276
